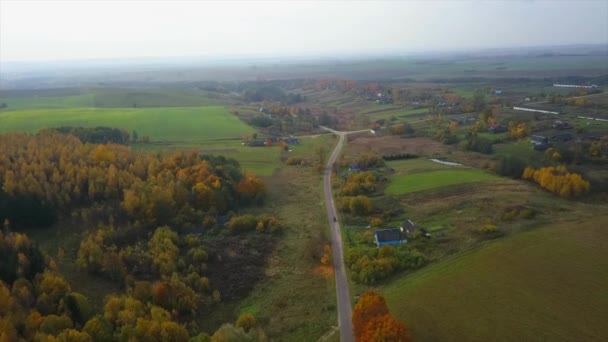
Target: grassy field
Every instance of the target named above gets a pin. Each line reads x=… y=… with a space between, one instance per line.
x=109 y=98
x=433 y=177
x=547 y=284
x=399 y=114
x=175 y=124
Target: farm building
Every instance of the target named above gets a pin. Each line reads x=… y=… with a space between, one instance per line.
x=590 y=86
x=538 y=139
x=254 y=143
x=497 y=129
x=387 y=237
x=410 y=228
x=291 y=140
x=535 y=110
x=353 y=167
x=559 y=124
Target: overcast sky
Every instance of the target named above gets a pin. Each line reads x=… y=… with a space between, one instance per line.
x=59 y=30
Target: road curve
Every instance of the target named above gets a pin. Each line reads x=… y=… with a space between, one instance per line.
x=342 y=291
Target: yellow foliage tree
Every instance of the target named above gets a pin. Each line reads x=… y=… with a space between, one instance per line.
x=558 y=180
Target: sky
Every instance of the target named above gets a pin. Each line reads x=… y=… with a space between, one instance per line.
x=86 y=29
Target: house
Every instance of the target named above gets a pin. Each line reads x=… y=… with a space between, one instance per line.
x=538 y=140
x=410 y=228
x=498 y=92
x=497 y=129
x=387 y=237
x=586 y=138
x=542 y=147
x=562 y=137
x=353 y=167
x=559 y=124
x=254 y=143
x=291 y=140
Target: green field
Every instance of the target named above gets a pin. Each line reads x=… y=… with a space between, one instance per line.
x=399 y=114
x=109 y=98
x=423 y=178
x=174 y=124
x=547 y=284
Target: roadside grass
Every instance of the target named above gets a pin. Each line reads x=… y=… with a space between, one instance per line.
x=296 y=301
x=405 y=183
x=545 y=284
x=175 y=123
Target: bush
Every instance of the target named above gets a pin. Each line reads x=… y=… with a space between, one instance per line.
x=244 y=223
x=488 y=228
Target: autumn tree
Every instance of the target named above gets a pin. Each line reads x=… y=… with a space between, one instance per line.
x=361 y=205
x=558 y=180
x=246 y=322
x=518 y=130
x=372 y=321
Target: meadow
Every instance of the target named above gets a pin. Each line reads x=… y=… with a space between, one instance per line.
x=427 y=180
x=547 y=284
x=173 y=124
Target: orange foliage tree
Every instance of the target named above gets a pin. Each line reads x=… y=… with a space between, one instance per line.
x=373 y=322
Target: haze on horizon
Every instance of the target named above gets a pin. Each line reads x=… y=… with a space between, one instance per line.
x=68 y=30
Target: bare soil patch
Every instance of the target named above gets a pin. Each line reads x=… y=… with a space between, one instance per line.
x=394 y=144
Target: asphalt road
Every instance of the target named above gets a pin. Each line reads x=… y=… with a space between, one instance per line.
x=342 y=291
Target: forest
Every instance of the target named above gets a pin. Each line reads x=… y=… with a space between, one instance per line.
x=152 y=223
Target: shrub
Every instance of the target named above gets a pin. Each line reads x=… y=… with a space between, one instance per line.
x=488 y=228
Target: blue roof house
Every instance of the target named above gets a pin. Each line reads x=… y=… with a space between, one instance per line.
x=384 y=237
